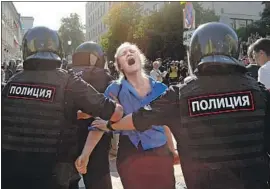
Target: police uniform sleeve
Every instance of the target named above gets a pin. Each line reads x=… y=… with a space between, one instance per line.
x=267 y=119
x=162 y=111
x=89 y=100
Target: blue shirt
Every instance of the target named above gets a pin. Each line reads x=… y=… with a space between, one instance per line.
x=131 y=102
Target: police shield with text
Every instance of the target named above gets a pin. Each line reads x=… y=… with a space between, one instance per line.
x=217 y=116
x=88 y=62
x=39 y=105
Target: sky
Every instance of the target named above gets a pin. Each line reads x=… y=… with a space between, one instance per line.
x=49 y=14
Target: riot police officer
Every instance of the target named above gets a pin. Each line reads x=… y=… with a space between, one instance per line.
x=217 y=116
x=39 y=106
x=88 y=62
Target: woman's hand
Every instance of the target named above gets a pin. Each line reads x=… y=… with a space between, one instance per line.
x=81 y=163
x=176 y=159
x=100 y=124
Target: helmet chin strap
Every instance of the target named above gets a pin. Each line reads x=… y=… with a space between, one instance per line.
x=92 y=59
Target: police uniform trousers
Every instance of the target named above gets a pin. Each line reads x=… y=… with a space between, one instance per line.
x=25 y=170
x=140 y=169
x=98 y=169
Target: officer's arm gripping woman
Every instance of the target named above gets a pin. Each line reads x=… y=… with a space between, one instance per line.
x=222 y=132
x=40 y=104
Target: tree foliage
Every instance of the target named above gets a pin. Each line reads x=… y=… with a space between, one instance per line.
x=121 y=21
x=202 y=15
x=159 y=34
x=261 y=26
x=165 y=28
x=71 y=29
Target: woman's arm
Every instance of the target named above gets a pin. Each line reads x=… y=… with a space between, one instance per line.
x=170 y=143
x=169 y=136
x=92 y=140
x=165 y=111
x=125 y=123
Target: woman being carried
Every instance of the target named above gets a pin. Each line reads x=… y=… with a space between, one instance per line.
x=145 y=159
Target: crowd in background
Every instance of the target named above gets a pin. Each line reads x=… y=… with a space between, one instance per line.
x=9 y=68
x=167 y=71
x=243 y=47
x=164 y=70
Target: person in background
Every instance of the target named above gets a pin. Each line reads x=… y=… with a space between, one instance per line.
x=3 y=72
x=112 y=69
x=245 y=60
x=156 y=74
x=162 y=67
x=261 y=54
x=8 y=71
x=18 y=61
x=183 y=71
x=252 y=67
x=12 y=65
x=64 y=64
x=19 y=68
x=173 y=69
x=3 y=77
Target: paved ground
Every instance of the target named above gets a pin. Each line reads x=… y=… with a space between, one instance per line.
x=180 y=183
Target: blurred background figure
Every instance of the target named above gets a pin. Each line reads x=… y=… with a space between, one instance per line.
x=252 y=67
x=64 y=64
x=156 y=74
x=114 y=73
x=261 y=54
x=19 y=68
x=173 y=72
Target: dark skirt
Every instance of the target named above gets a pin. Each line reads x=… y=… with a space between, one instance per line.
x=150 y=169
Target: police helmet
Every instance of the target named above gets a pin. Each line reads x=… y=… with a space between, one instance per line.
x=89 y=54
x=42 y=43
x=213 y=44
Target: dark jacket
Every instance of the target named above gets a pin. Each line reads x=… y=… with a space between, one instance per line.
x=253 y=70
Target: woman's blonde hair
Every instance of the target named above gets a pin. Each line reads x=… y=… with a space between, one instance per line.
x=135 y=47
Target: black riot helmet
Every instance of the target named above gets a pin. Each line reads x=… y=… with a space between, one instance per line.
x=213 y=44
x=41 y=43
x=89 y=54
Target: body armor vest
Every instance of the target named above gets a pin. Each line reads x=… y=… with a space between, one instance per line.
x=33 y=114
x=99 y=79
x=221 y=131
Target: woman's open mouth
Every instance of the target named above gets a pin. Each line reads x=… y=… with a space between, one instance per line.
x=131 y=61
